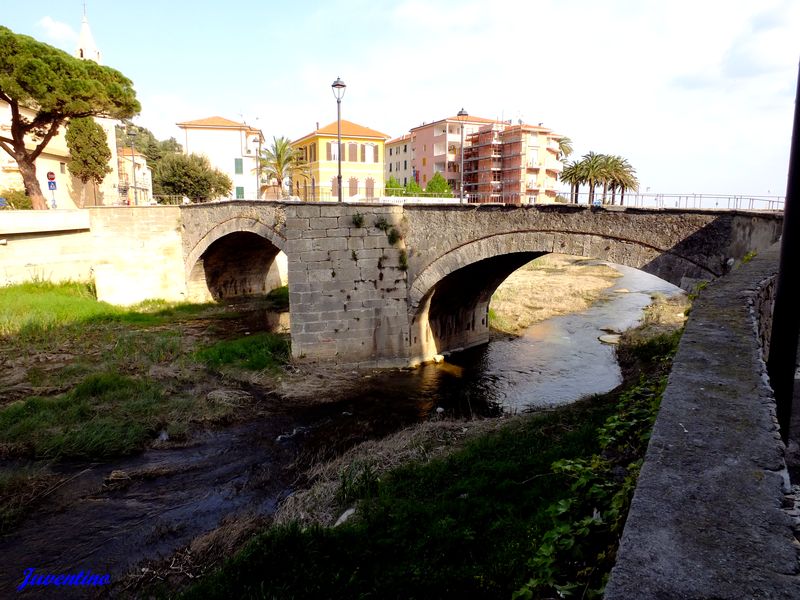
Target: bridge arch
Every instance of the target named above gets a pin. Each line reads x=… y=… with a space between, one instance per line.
x=239 y=256
x=449 y=297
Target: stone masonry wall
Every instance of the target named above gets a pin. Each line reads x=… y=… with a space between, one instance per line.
x=347 y=288
x=712 y=514
x=137 y=253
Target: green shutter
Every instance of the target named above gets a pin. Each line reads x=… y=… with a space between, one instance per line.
x=238 y=166
x=239 y=190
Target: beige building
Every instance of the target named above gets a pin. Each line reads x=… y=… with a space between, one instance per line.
x=230 y=147
x=135 y=178
x=69 y=192
x=399 y=161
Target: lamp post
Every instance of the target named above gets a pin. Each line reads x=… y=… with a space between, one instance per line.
x=338 y=88
x=462 y=113
x=132 y=136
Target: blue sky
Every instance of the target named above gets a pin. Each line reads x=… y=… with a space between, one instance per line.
x=697 y=94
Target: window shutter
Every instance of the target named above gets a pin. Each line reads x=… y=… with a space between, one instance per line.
x=363 y=153
x=329 y=152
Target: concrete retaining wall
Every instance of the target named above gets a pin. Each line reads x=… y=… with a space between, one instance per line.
x=712 y=514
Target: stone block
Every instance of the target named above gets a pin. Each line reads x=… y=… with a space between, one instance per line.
x=355 y=243
x=330 y=244
x=314 y=256
x=338 y=232
x=307 y=211
x=324 y=223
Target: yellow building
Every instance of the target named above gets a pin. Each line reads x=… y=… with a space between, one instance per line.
x=362 y=154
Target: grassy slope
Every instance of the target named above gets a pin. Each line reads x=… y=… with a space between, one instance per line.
x=482 y=522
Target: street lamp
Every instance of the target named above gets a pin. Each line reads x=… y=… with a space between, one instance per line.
x=132 y=137
x=338 y=88
x=462 y=113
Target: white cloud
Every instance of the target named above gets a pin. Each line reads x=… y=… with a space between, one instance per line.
x=56 y=32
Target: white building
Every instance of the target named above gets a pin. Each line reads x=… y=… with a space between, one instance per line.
x=230 y=147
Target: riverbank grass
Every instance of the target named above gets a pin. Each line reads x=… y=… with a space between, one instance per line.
x=534 y=508
x=254 y=352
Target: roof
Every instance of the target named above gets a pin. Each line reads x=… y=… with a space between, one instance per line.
x=349 y=129
x=219 y=123
x=467 y=119
x=402 y=138
x=123 y=151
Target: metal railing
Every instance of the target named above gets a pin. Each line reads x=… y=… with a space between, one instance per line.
x=685 y=201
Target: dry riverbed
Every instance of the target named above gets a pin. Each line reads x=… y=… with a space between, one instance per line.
x=193 y=395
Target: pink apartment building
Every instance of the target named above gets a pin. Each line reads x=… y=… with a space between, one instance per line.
x=436 y=148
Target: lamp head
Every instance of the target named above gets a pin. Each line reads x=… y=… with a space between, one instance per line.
x=338 y=88
x=462 y=113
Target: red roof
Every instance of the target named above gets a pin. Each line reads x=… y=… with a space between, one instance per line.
x=349 y=129
x=218 y=123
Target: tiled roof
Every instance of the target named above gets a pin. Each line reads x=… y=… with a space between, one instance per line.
x=349 y=129
x=214 y=122
x=402 y=138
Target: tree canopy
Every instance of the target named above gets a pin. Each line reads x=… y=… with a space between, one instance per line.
x=146 y=142
x=438 y=187
x=89 y=151
x=394 y=187
x=191 y=176
x=45 y=87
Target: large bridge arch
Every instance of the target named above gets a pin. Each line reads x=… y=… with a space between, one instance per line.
x=449 y=298
x=239 y=256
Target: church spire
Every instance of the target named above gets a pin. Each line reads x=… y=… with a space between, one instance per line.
x=87 y=49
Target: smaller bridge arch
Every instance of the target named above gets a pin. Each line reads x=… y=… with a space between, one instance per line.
x=238 y=256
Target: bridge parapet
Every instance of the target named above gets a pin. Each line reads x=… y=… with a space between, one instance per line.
x=709 y=517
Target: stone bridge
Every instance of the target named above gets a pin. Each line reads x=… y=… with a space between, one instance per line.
x=394 y=284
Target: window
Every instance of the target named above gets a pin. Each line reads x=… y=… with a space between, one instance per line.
x=353 y=152
x=390 y=151
x=363 y=153
x=424 y=161
x=62 y=167
x=353 y=186
x=238 y=167
x=313 y=152
x=370 y=184
x=390 y=167
x=405 y=148
x=405 y=164
x=333 y=151
x=334 y=187
x=239 y=189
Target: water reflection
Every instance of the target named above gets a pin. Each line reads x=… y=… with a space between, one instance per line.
x=555 y=362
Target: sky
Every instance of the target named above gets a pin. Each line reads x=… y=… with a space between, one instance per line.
x=697 y=94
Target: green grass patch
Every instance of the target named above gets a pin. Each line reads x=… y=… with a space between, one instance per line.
x=105 y=415
x=253 y=352
x=533 y=509
x=34 y=310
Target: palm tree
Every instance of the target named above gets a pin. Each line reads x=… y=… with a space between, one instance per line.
x=623 y=177
x=593 y=169
x=280 y=160
x=572 y=175
x=564 y=148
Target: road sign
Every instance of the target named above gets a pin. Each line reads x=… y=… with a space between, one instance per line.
x=51 y=185
x=51 y=176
